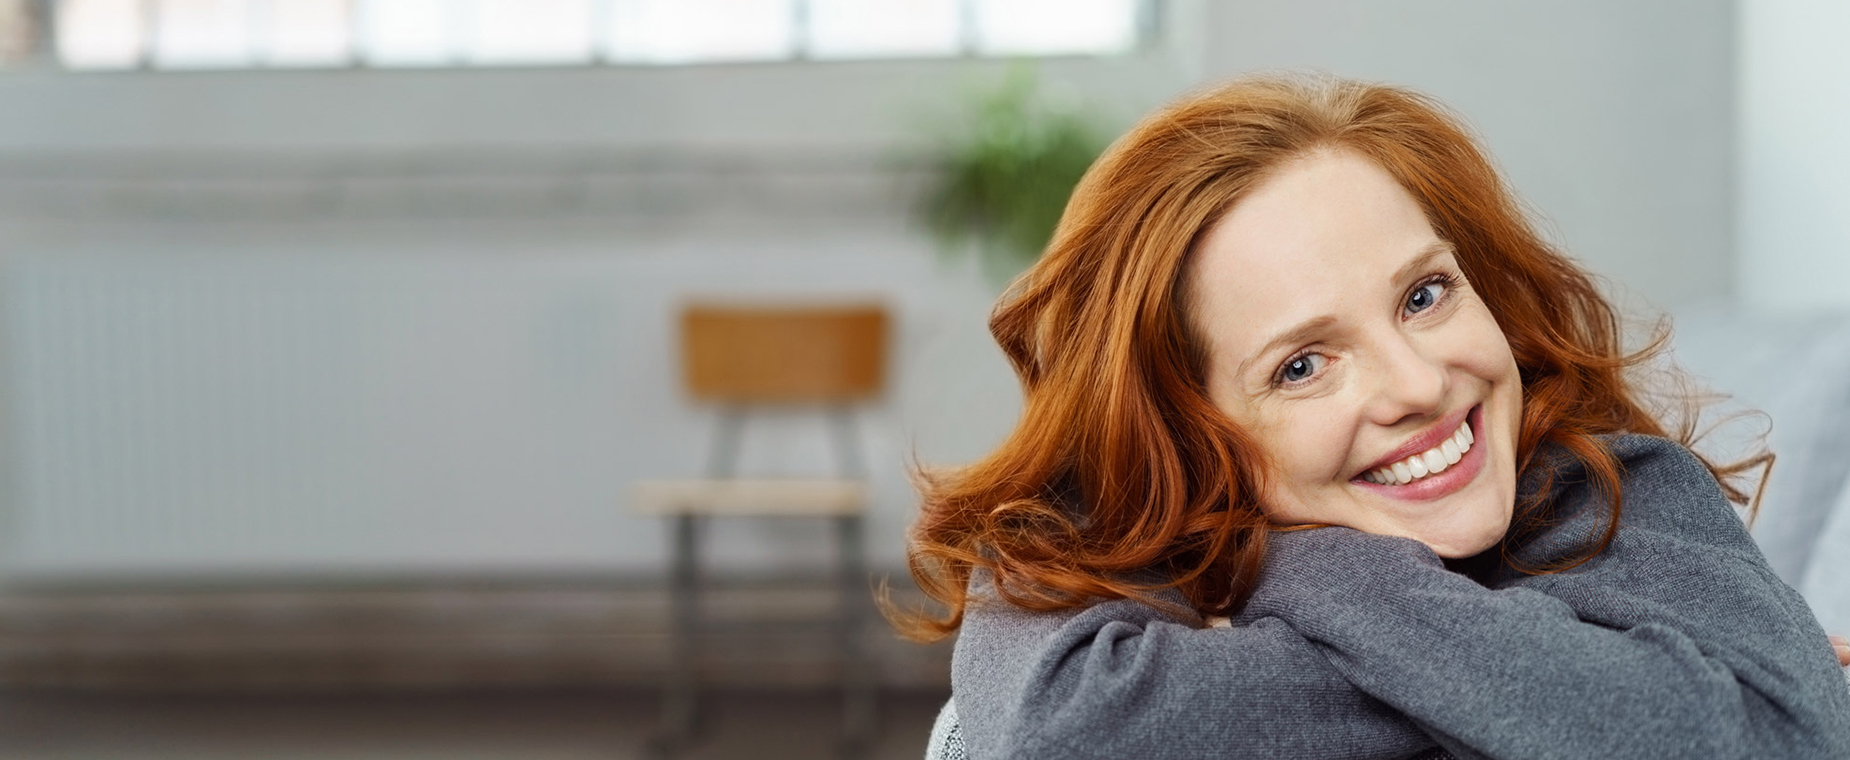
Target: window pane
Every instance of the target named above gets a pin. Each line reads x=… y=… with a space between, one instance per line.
x=192 y=34
x=1055 y=27
x=100 y=34
x=409 y=32
x=684 y=31
x=530 y=31
x=305 y=33
x=875 y=28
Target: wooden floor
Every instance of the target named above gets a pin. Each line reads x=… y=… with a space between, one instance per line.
x=504 y=671
x=610 y=725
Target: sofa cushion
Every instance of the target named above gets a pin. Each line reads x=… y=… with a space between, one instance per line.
x=1797 y=371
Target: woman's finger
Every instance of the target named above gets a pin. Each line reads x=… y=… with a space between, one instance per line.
x=1842 y=646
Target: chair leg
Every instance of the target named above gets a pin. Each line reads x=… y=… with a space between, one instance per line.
x=681 y=693
x=858 y=684
x=858 y=678
x=680 y=696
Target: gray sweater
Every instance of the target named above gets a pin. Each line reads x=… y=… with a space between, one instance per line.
x=1676 y=642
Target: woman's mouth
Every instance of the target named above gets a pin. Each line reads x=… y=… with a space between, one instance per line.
x=1435 y=472
x=1429 y=462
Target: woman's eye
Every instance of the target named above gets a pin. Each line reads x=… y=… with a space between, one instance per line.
x=1424 y=296
x=1301 y=367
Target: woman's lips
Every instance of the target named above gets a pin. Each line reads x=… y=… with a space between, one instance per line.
x=1454 y=478
x=1427 y=440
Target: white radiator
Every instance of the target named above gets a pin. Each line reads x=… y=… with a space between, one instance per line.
x=176 y=416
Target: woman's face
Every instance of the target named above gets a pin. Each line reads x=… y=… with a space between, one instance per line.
x=1342 y=335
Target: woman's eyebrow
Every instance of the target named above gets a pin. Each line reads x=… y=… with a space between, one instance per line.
x=1295 y=334
x=1424 y=259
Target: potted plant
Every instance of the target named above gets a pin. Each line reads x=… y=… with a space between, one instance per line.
x=1001 y=182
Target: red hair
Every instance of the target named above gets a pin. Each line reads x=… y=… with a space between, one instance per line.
x=1120 y=464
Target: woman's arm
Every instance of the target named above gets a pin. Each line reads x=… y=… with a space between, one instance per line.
x=1122 y=679
x=1677 y=641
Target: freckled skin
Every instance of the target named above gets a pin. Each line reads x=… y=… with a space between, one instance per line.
x=1330 y=236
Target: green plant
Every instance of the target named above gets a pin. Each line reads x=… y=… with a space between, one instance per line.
x=1000 y=185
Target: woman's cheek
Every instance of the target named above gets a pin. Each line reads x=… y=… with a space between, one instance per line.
x=1310 y=453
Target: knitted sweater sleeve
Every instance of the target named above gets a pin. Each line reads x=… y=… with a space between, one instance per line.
x=1677 y=641
x=1122 y=679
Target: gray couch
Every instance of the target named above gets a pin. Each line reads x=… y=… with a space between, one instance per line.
x=1796 y=370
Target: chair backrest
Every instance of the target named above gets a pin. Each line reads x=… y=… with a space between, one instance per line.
x=759 y=354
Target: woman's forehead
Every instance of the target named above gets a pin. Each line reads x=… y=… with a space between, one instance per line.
x=1323 y=237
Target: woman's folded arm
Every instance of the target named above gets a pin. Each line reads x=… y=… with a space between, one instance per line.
x=1676 y=641
x=1124 y=679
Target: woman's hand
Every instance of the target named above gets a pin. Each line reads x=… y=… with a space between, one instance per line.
x=1842 y=646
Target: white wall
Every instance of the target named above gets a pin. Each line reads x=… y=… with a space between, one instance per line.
x=1794 y=156
x=1614 y=119
x=850 y=106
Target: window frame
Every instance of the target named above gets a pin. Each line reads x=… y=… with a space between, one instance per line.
x=1146 y=33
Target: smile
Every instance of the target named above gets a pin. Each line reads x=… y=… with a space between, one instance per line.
x=1443 y=468
x=1430 y=462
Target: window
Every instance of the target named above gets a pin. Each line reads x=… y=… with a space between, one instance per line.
x=239 y=34
x=860 y=29
x=689 y=31
x=100 y=34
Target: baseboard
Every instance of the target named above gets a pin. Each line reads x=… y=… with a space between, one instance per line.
x=764 y=634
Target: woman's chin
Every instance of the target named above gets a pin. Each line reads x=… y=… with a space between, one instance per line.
x=1455 y=545
x=1458 y=551
x=1473 y=523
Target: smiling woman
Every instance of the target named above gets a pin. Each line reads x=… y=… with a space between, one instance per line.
x=1295 y=362
x=1383 y=355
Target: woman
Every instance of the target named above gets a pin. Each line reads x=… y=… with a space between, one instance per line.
x=1295 y=360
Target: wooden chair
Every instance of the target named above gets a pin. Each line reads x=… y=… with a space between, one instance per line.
x=743 y=358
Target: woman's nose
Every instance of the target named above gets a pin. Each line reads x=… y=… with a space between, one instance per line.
x=1410 y=383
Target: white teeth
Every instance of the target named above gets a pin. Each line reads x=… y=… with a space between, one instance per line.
x=1429 y=462
x=1435 y=461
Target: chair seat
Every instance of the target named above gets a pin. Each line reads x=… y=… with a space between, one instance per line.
x=768 y=497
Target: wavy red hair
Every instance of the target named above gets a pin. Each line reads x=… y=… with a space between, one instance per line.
x=1120 y=464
